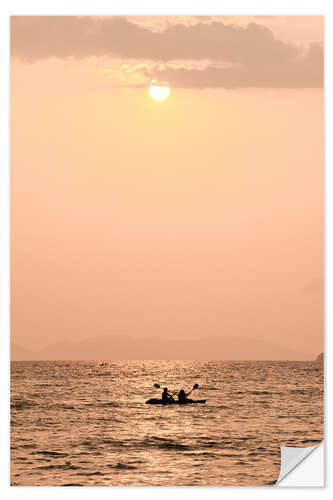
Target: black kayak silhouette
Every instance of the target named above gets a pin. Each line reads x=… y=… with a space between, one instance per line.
x=154 y=401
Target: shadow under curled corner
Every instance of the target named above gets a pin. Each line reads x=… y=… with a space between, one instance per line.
x=302 y=466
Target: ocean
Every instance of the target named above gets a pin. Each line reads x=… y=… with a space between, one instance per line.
x=79 y=423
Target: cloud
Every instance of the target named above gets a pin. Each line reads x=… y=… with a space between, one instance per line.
x=307 y=72
x=255 y=57
x=36 y=38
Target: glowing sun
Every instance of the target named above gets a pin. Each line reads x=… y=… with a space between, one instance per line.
x=159 y=92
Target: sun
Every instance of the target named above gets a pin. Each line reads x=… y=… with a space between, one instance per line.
x=159 y=92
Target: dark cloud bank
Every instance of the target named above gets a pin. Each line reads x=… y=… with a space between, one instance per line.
x=254 y=57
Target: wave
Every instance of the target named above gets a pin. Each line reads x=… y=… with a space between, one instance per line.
x=121 y=466
x=66 y=466
x=54 y=454
x=23 y=404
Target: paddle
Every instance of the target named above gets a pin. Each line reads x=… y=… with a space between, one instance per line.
x=159 y=387
x=196 y=386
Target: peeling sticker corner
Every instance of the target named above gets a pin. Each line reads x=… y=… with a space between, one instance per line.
x=292 y=457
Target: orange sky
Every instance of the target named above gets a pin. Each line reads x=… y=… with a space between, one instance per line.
x=198 y=216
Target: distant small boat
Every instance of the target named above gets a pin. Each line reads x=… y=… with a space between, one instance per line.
x=154 y=401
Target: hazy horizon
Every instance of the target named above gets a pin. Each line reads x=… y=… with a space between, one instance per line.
x=119 y=347
x=199 y=216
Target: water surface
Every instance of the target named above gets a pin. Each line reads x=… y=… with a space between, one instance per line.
x=78 y=423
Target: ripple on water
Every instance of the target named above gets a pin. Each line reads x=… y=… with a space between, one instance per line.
x=75 y=427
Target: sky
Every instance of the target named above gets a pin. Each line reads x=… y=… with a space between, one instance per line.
x=194 y=217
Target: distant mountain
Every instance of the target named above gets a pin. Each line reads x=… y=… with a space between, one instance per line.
x=19 y=353
x=320 y=358
x=125 y=347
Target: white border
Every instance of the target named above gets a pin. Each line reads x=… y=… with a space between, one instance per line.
x=175 y=7
x=170 y=7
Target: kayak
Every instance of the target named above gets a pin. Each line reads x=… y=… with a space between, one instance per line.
x=154 y=401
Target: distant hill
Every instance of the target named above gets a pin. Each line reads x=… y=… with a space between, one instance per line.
x=125 y=347
x=320 y=358
x=18 y=353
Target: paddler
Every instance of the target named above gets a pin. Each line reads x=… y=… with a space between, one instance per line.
x=166 y=397
x=182 y=397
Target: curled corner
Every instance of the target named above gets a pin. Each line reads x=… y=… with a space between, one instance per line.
x=292 y=457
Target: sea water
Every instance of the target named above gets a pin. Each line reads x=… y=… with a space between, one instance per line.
x=80 y=423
